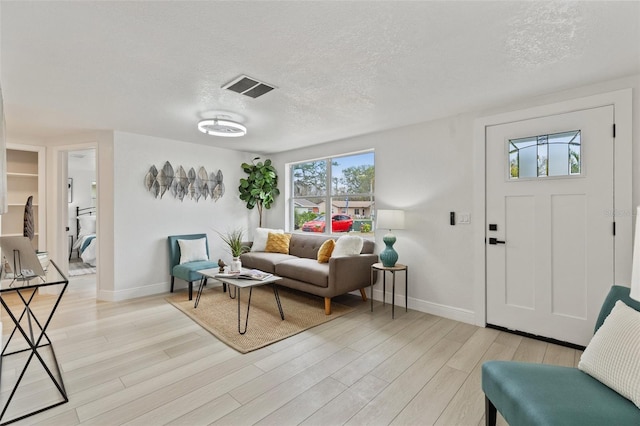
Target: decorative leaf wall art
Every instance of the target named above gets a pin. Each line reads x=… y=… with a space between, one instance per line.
x=213 y=181
x=150 y=177
x=155 y=188
x=165 y=178
x=182 y=184
x=204 y=182
x=161 y=182
x=218 y=190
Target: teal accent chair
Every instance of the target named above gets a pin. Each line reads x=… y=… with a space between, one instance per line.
x=538 y=394
x=186 y=271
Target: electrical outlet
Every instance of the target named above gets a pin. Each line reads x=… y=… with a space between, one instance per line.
x=464 y=218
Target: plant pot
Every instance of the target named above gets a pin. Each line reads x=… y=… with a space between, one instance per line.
x=236 y=265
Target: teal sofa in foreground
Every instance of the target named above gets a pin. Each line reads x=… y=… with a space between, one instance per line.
x=540 y=394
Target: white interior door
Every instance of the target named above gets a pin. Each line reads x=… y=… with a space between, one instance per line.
x=550 y=232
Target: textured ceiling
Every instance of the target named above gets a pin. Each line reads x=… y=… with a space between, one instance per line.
x=341 y=68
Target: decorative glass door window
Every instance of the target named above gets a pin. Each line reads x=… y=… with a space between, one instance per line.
x=556 y=154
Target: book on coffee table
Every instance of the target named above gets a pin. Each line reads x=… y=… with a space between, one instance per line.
x=247 y=274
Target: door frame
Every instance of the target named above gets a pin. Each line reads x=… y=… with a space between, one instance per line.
x=58 y=217
x=623 y=211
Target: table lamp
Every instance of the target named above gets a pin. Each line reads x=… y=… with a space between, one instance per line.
x=635 y=270
x=389 y=219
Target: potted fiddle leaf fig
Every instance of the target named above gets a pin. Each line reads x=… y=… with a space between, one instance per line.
x=260 y=187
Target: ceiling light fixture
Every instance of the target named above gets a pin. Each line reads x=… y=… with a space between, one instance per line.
x=222 y=127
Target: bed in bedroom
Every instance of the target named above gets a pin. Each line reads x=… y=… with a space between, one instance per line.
x=86 y=234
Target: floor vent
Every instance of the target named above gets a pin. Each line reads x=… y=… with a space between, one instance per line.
x=248 y=86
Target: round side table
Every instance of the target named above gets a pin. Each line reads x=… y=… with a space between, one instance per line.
x=393 y=269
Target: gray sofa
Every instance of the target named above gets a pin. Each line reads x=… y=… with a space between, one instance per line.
x=300 y=269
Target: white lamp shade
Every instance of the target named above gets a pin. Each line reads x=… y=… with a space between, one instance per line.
x=635 y=271
x=390 y=219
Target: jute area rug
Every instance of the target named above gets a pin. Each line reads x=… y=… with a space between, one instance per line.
x=218 y=314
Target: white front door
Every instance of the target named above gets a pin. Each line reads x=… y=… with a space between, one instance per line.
x=550 y=232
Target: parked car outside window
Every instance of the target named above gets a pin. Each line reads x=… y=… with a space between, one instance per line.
x=339 y=223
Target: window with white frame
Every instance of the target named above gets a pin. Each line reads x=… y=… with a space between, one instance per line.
x=340 y=188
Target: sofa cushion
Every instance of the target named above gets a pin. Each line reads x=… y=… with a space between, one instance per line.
x=278 y=243
x=538 y=394
x=263 y=261
x=348 y=245
x=368 y=246
x=306 y=245
x=260 y=237
x=324 y=253
x=306 y=270
x=613 y=354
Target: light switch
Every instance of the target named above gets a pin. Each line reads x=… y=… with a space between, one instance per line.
x=464 y=218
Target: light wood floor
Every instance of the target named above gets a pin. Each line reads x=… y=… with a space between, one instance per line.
x=143 y=362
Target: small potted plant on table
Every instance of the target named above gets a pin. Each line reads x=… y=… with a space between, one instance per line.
x=233 y=239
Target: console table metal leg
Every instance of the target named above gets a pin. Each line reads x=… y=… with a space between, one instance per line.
x=384 y=287
x=371 y=295
x=393 y=296
x=275 y=293
x=33 y=343
x=406 y=289
x=24 y=312
x=246 y=321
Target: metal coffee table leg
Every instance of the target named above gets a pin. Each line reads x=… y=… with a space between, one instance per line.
x=275 y=292
x=202 y=281
x=246 y=321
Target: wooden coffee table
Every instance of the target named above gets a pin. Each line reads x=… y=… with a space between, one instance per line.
x=238 y=284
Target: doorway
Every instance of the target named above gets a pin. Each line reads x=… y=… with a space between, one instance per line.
x=550 y=254
x=81 y=215
x=622 y=213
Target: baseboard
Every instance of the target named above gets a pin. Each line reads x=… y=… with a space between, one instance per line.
x=132 y=293
x=148 y=290
x=450 y=312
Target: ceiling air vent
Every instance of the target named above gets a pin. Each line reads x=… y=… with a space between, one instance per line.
x=248 y=86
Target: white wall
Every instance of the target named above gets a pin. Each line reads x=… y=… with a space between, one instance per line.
x=141 y=223
x=428 y=170
x=425 y=170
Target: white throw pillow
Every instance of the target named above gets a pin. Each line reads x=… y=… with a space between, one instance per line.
x=87 y=225
x=261 y=236
x=613 y=354
x=348 y=245
x=192 y=250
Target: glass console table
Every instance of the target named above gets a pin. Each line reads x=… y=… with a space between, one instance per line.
x=28 y=365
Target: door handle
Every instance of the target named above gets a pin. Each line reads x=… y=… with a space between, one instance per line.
x=495 y=241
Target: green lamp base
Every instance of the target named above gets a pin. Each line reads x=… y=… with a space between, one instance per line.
x=389 y=256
